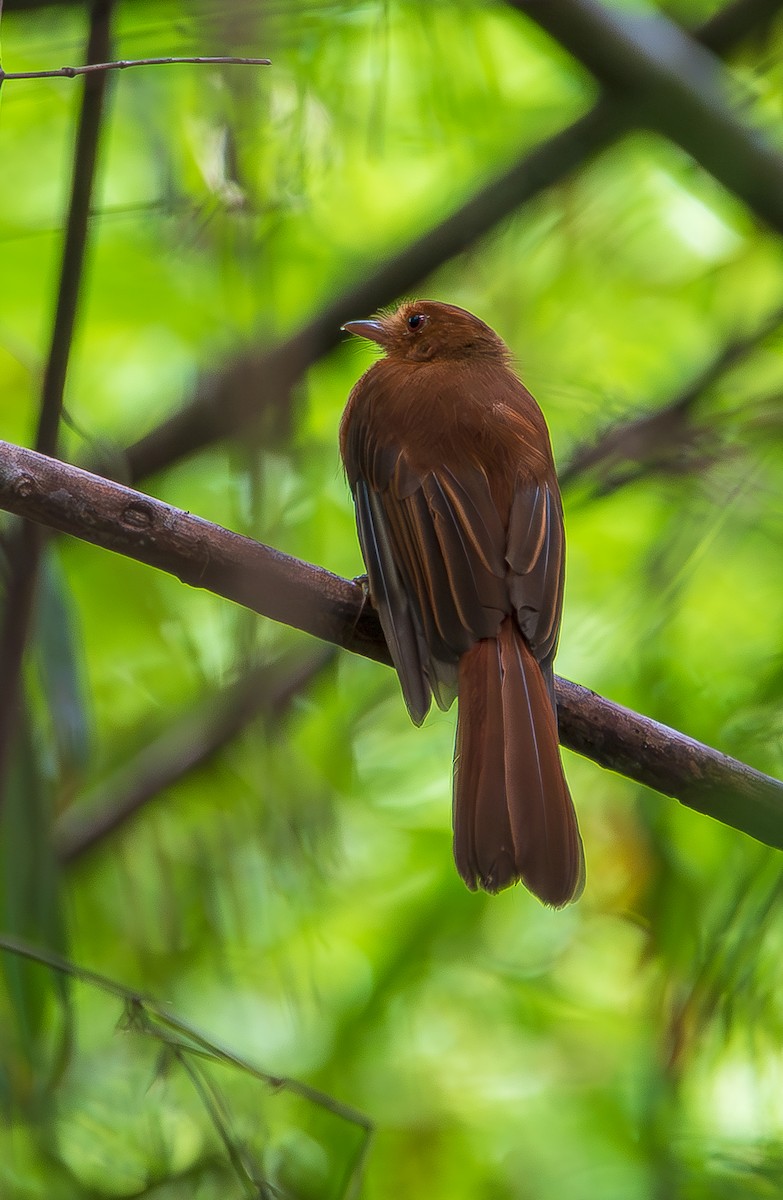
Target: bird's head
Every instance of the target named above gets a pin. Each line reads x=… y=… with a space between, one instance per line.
x=426 y=330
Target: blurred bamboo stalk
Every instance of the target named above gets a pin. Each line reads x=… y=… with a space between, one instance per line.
x=190 y=743
x=25 y=549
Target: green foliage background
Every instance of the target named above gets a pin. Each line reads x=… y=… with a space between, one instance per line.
x=295 y=898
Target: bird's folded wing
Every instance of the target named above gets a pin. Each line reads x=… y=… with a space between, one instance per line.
x=434 y=546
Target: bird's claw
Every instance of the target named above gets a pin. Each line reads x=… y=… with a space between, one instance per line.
x=364 y=583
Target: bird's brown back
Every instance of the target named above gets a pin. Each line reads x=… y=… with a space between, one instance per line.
x=451 y=413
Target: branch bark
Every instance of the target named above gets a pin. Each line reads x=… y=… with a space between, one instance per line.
x=309 y=598
x=122 y=64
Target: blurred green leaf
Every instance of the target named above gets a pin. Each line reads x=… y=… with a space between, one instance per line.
x=36 y=1030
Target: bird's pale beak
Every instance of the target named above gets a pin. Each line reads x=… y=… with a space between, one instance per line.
x=373 y=330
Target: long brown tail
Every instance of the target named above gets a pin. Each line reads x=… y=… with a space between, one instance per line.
x=513 y=814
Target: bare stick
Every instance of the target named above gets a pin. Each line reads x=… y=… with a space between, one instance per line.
x=308 y=598
x=670 y=762
x=123 y=64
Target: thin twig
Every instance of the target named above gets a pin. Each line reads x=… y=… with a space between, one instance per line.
x=214 y=1106
x=136 y=1001
x=308 y=598
x=123 y=64
x=25 y=550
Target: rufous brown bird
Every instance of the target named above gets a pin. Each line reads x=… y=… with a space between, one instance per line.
x=461 y=527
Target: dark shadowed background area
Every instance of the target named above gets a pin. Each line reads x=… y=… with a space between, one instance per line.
x=216 y=811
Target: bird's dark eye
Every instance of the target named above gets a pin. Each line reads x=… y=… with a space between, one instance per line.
x=416 y=321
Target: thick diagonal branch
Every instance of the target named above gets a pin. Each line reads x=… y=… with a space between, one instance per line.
x=306 y=597
x=671 y=84
x=228 y=400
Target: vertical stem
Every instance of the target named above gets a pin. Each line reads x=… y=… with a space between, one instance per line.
x=72 y=268
x=25 y=549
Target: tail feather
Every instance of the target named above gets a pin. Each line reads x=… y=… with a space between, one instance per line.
x=513 y=814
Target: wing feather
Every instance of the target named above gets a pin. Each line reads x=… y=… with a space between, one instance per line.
x=537 y=566
x=478 y=516
x=391 y=600
x=527 y=527
x=478 y=596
